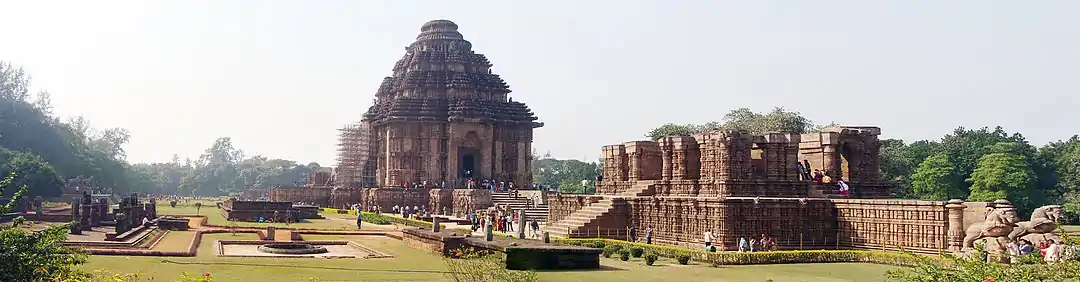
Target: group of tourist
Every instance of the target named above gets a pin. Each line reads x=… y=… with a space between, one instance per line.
x=494 y=186
x=763 y=244
x=414 y=212
x=817 y=176
x=1050 y=250
x=503 y=220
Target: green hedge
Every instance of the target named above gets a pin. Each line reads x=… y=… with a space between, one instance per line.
x=376 y=219
x=771 y=257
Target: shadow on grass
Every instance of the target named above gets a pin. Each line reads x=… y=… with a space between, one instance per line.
x=306 y=267
x=601 y=269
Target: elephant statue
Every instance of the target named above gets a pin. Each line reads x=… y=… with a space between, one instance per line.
x=1043 y=220
x=999 y=222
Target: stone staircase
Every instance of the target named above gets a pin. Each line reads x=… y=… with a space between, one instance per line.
x=578 y=220
x=639 y=189
x=540 y=212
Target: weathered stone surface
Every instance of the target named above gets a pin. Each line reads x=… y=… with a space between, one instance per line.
x=444 y=116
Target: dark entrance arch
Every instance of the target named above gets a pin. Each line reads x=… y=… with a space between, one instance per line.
x=468 y=162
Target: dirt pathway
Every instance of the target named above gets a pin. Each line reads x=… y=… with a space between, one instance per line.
x=283 y=235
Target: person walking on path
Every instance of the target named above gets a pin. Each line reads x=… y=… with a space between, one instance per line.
x=359 y=219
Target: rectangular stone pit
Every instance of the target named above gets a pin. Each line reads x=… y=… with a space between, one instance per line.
x=337 y=249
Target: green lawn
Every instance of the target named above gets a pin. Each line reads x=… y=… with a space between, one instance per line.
x=411 y=264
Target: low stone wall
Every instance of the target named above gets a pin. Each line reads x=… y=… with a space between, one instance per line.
x=439 y=243
x=456 y=202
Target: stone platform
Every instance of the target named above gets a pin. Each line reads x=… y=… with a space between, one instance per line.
x=520 y=254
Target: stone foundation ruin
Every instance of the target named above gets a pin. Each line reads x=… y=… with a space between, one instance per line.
x=738 y=185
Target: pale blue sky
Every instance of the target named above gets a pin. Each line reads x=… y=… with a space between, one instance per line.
x=281 y=76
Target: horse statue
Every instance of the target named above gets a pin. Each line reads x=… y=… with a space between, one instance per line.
x=1043 y=220
x=999 y=223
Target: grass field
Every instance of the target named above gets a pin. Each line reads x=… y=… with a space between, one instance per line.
x=411 y=264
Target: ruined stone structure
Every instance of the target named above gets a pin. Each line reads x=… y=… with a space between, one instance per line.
x=739 y=185
x=268 y=210
x=316 y=191
x=444 y=116
x=456 y=202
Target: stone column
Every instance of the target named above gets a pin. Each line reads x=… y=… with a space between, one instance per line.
x=85 y=212
x=488 y=236
x=955 y=239
x=270 y=232
x=74 y=227
x=435 y=220
x=521 y=224
x=666 y=147
x=39 y=212
x=121 y=224
x=829 y=162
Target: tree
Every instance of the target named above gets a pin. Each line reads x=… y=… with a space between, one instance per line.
x=566 y=175
x=37 y=174
x=34 y=255
x=1003 y=173
x=935 y=179
x=743 y=119
x=899 y=161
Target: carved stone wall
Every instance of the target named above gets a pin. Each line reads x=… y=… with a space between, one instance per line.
x=920 y=226
x=320 y=196
x=883 y=224
x=684 y=221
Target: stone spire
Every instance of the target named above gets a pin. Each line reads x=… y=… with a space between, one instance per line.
x=440 y=78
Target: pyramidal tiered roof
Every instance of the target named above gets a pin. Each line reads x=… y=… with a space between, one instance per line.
x=440 y=78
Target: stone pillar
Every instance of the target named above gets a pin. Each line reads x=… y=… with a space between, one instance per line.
x=85 y=213
x=39 y=212
x=547 y=237
x=521 y=224
x=270 y=232
x=153 y=208
x=955 y=240
x=488 y=235
x=435 y=220
x=121 y=224
x=74 y=227
x=830 y=161
x=666 y=147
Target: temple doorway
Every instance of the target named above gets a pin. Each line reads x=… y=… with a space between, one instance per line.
x=468 y=162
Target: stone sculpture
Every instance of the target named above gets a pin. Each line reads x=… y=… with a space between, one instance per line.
x=1000 y=222
x=1043 y=220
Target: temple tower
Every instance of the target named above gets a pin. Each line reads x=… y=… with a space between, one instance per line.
x=444 y=116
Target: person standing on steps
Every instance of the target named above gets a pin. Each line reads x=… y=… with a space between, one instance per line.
x=648 y=235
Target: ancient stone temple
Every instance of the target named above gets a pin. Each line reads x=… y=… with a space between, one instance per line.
x=444 y=116
x=737 y=185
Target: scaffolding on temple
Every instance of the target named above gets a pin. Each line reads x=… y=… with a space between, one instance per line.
x=356 y=166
